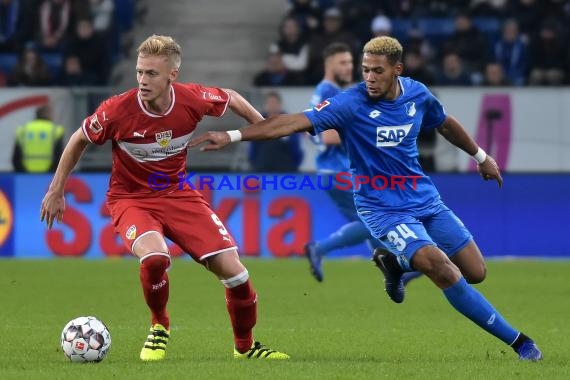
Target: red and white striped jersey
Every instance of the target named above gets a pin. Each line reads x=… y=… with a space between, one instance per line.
x=145 y=143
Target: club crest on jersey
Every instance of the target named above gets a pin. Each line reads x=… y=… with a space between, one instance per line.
x=322 y=105
x=131 y=232
x=411 y=109
x=163 y=138
x=391 y=135
x=94 y=125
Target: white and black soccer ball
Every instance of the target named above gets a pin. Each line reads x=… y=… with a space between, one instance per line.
x=85 y=339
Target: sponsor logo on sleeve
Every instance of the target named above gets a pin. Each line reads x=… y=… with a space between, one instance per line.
x=322 y=105
x=209 y=96
x=94 y=125
x=131 y=232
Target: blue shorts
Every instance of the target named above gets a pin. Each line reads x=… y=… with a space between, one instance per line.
x=404 y=233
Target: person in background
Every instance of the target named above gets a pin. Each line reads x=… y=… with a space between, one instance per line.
x=511 y=51
x=276 y=73
x=31 y=69
x=333 y=31
x=73 y=74
x=453 y=72
x=494 y=75
x=293 y=46
x=277 y=156
x=38 y=144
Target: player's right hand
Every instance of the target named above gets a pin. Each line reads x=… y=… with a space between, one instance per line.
x=53 y=206
x=216 y=140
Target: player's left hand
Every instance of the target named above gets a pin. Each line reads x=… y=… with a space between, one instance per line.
x=489 y=170
x=216 y=140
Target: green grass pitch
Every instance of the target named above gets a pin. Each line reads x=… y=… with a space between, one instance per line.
x=343 y=328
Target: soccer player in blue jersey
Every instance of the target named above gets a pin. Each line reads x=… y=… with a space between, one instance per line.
x=332 y=160
x=378 y=122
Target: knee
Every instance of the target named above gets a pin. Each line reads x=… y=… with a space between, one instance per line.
x=436 y=265
x=445 y=275
x=476 y=276
x=235 y=281
x=156 y=262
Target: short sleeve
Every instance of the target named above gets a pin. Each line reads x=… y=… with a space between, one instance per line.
x=332 y=113
x=434 y=114
x=98 y=127
x=216 y=100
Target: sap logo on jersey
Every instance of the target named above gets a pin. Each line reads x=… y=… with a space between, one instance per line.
x=391 y=135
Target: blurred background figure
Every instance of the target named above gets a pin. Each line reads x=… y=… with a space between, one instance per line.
x=512 y=53
x=38 y=144
x=416 y=68
x=469 y=44
x=293 y=46
x=358 y=14
x=282 y=155
x=548 y=55
x=31 y=69
x=276 y=73
x=91 y=49
x=74 y=75
x=453 y=72
x=102 y=14
x=494 y=75
x=307 y=14
x=333 y=31
x=381 y=26
x=54 y=21
x=9 y=19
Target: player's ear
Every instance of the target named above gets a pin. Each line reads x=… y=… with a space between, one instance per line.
x=399 y=68
x=173 y=75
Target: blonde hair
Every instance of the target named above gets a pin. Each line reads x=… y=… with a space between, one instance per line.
x=384 y=45
x=161 y=46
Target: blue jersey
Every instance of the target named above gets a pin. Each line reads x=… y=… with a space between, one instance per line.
x=330 y=158
x=380 y=138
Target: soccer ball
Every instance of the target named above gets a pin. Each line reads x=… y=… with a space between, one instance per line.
x=85 y=339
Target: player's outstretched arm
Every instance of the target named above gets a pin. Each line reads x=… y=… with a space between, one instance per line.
x=53 y=203
x=272 y=128
x=454 y=132
x=242 y=107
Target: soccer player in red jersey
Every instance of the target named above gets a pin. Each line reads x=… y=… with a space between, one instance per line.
x=150 y=127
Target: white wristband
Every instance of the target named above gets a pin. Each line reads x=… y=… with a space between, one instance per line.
x=480 y=156
x=235 y=135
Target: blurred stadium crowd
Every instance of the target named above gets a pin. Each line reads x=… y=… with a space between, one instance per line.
x=64 y=42
x=446 y=43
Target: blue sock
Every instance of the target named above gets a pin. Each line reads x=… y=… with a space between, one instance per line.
x=350 y=234
x=469 y=302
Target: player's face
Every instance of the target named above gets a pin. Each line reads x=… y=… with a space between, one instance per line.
x=342 y=67
x=380 y=76
x=154 y=76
